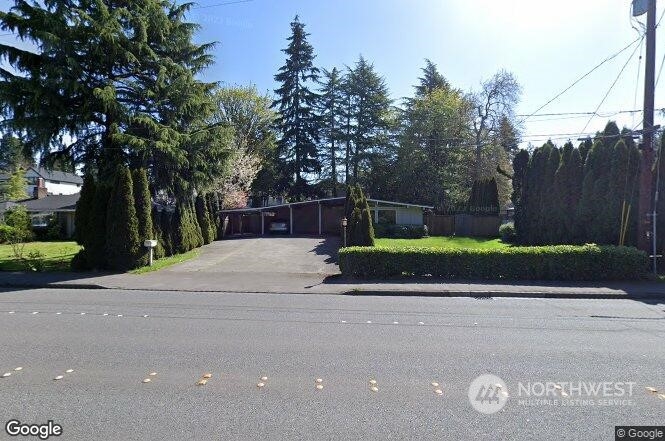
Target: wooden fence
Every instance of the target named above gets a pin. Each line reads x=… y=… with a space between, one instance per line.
x=462 y=225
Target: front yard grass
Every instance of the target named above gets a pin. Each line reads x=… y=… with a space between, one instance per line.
x=166 y=261
x=55 y=256
x=443 y=242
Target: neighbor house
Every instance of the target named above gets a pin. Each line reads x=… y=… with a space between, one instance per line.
x=54 y=182
x=53 y=195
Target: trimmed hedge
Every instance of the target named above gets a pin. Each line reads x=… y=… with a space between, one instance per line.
x=559 y=262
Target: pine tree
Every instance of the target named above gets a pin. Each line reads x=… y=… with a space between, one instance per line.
x=369 y=115
x=331 y=114
x=143 y=206
x=297 y=123
x=431 y=80
x=122 y=225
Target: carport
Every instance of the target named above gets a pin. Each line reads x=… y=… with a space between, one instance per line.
x=316 y=217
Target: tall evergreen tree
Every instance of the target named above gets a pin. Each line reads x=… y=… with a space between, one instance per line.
x=84 y=228
x=332 y=113
x=519 y=195
x=431 y=80
x=370 y=115
x=297 y=123
x=143 y=207
x=122 y=225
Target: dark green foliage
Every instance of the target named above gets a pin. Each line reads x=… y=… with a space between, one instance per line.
x=166 y=228
x=584 y=148
x=143 y=207
x=83 y=220
x=360 y=229
x=159 y=251
x=520 y=165
x=297 y=123
x=185 y=229
x=366 y=228
x=484 y=198
x=122 y=226
x=560 y=198
x=562 y=262
x=204 y=220
x=96 y=249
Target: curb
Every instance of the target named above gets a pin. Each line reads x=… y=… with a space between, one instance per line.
x=52 y=285
x=504 y=294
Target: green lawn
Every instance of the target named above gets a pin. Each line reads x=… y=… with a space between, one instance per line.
x=443 y=242
x=55 y=256
x=166 y=261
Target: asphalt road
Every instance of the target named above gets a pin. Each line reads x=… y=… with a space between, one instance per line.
x=113 y=339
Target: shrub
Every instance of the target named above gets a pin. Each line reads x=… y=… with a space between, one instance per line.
x=95 y=249
x=81 y=261
x=507 y=232
x=19 y=218
x=560 y=262
x=400 y=231
x=7 y=234
x=204 y=220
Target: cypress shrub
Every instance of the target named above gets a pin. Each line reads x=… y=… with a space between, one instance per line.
x=166 y=228
x=180 y=232
x=143 y=207
x=122 y=226
x=520 y=163
x=203 y=217
x=96 y=250
x=84 y=227
x=159 y=250
x=366 y=228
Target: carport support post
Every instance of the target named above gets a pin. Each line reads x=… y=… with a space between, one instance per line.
x=291 y=219
x=319 y=218
x=376 y=212
x=263 y=223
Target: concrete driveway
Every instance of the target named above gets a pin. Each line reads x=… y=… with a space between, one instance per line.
x=249 y=264
x=252 y=255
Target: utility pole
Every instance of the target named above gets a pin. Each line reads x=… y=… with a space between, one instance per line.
x=645 y=206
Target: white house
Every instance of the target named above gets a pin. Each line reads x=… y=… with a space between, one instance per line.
x=54 y=181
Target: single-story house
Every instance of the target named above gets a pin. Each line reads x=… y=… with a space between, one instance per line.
x=63 y=207
x=316 y=217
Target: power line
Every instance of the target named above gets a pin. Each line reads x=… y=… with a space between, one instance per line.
x=613 y=84
x=222 y=4
x=611 y=57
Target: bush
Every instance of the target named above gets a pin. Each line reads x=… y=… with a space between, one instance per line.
x=400 y=231
x=507 y=232
x=81 y=261
x=19 y=218
x=143 y=208
x=560 y=262
x=7 y=234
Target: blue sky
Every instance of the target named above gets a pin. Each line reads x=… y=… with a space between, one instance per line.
x=546 y=44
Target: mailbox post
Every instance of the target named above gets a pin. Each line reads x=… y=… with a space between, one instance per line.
x=150 y=244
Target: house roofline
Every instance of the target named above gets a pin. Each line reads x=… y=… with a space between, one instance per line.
x=259 y=209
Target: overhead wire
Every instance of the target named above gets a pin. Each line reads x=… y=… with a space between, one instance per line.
x=613 y=84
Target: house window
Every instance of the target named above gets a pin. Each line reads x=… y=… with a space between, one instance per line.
x=387 y=217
